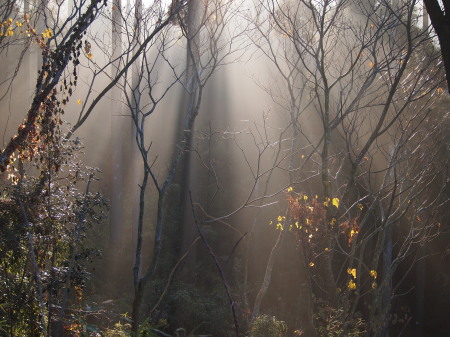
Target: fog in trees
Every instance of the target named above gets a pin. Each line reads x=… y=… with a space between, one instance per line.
x=223 y=168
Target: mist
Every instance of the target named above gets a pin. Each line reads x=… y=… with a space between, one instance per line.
x=214 y=168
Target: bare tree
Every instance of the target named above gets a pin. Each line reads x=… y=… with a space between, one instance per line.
x=59 y=32
x=350 y=170
x=354 y=71
x=202 y=29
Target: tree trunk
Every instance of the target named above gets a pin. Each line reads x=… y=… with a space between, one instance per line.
x=116 y=127
x=306 y=298
x=268 y=275
x=440 y=20
x=137 y=301
x=421 y=270
x=386 y=296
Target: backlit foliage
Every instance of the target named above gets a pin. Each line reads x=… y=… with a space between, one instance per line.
x=41 y=124
x=43 y=252
x=267 y=326
x=314 y=218
x=310 y=215
x=23 y=28
x=330 y=322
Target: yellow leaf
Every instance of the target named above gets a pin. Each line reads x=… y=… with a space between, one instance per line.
x=352 y=272
x=89 y=56
x=47 y=33
x=351 y=285
x=360 y=206
x=290 y=189
x=79 y=101
x=303 y=156
x=305 y=197
x=280 y=226
x=335 y=202
x=373 y=273
x=371 y=64
x=311 y=264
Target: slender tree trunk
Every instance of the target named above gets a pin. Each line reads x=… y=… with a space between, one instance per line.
x=421 y=269
x=268 y=275
x=134 y=140
x=116 y=127
x=305 y=289
x=250 y=239
x=137 y=140
x=138 y=281
x=185 y=133
x=306 y=298
x=137 y=302
x=386 y=294
x=326 y=260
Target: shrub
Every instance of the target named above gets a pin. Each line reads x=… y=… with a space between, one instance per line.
x=267 y=326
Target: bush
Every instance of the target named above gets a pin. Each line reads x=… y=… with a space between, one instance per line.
x=267 y=326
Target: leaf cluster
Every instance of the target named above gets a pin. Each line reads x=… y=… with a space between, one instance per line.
x=45 y=219
x=267 y=326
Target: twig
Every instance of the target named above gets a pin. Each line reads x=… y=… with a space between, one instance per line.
x=172 y=272
x=219 y=268
x=34 y=264
x=81 y=218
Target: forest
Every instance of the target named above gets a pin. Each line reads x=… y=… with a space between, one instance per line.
x=253 y=168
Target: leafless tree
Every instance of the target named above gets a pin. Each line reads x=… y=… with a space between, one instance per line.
x=348 y=75
x=202 y=30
